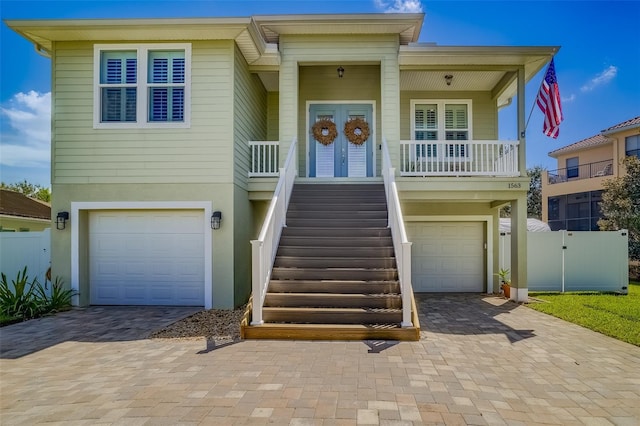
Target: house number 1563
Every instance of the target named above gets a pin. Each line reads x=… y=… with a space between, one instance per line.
x=515 y=185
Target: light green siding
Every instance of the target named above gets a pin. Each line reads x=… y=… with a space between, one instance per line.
x=201 y=153
x=273 y=116
x=249 y=116
x=484 y=110
x=250 y=123
x=326 y=53
x=360 y=83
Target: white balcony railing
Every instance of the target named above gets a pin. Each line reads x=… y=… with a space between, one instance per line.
x=264 y=158
x=401 y=245
x=263 y=250
x=459 y=158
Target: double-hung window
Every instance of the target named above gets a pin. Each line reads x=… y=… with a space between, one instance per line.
x=142 y=86
x=441 y=121
x=632 y=145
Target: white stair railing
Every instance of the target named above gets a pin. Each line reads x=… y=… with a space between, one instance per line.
x=263 y=250
x=401 y=245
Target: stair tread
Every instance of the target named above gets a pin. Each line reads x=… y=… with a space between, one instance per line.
x=331 y=310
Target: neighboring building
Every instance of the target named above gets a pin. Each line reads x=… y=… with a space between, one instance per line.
x=154 y=130
x=571 y=194
x=19 y=213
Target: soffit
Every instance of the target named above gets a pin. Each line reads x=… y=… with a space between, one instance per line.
x=44 y=33
x=478 y=67
x=406 y=25
x=462 y=80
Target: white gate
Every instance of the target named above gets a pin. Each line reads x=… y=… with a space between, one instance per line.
x=573 y=260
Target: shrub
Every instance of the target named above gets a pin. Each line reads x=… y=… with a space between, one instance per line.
x=22 y=301
x=60 y=298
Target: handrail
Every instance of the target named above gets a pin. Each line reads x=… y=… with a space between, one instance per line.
x=263 y=250
x=401 y=244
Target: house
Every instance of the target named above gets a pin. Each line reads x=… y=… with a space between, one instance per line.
x=177 y=142
x=571 y=194
x=19 y=213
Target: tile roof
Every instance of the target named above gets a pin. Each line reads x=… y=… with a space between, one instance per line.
x=585 y=143
x=15 y=204
x=596 y=140
x=634 y=122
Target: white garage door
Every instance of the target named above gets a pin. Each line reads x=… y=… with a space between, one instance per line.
x=447 y=256
x=146 y=257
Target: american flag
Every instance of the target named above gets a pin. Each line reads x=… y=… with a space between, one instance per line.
x=549 y=102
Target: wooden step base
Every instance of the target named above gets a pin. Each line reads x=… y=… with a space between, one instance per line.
x=330 y=332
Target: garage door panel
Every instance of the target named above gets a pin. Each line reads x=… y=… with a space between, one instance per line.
x=147 y=257
x=447 y=257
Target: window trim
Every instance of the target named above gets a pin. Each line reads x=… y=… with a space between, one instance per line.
x=142 y=86
x=441 y=115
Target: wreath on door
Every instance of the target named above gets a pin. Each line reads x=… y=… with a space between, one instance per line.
x=324 y=131
x=356 y=130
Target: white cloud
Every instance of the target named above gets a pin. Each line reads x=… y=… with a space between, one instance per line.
x=399 y=6
x=29 y=141
x=603 y=78
x=569 y=99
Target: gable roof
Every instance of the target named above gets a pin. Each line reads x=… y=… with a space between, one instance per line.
x=597 y=140
x=15 y=204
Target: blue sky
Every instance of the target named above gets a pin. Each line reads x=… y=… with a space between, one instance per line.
x=598 y=66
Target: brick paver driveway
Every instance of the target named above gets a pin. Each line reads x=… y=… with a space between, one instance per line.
x=481 y=360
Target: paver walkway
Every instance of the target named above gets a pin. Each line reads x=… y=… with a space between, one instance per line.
x=481 y=360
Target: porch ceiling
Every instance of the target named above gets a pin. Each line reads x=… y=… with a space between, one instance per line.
x=462 y=80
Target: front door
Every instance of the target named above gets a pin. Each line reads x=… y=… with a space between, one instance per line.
x=340 y=158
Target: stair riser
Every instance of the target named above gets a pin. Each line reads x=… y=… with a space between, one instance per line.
x=323 y=232
x=337 y=223
x=333 y=274
x=321 y=317
x=349 y=206
x=337 y=215
x=303 y=252
x=334 y=262
x=336 y=242
x=330 y=301
x=336 y=286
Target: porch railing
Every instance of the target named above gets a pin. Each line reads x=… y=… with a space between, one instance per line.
x=263 y=250
x=581 y=171
x=459 y=158
x=401 y=245
x=264 y=158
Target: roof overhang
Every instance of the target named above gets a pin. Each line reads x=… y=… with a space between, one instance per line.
x=406 y=25
x=492 y=68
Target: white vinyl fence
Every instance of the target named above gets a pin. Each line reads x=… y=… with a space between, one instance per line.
x=30 y=249
x=573 y=260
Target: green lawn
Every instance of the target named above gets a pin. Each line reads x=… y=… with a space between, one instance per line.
x=613 y=315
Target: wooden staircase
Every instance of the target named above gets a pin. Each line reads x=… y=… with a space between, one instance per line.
x=335 y=275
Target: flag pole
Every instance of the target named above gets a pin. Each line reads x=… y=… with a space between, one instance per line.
x=538 y=91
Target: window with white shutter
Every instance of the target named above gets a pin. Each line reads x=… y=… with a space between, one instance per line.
x=142 y=85
x=118 y=86
x=441 y=120
x=166 y=85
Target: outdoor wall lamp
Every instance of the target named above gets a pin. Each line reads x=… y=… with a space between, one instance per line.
x=448 y=79
x=340 y=72
x=216 y=218
x=61 y=220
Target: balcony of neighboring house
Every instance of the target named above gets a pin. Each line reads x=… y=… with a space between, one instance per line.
x=598 y=169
